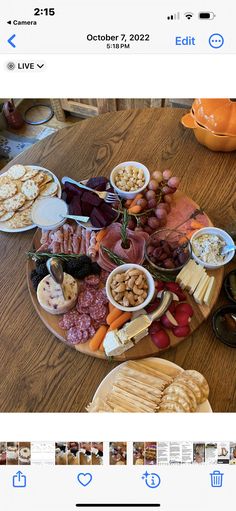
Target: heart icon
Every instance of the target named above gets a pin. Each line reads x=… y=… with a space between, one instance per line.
x=84 y=479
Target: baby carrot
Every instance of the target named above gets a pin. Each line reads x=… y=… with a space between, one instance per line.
x=98 y=337
x=125 y=316
x=114 y=314
x=100 y=235
x=135 y=209
x=111 y=307
x=128 y=203
x=137 y=197
x=196 y=225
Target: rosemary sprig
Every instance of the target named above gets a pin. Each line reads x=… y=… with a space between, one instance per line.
x=158 y=275
x=123 y=229
x=113 y=257
x=42 y=255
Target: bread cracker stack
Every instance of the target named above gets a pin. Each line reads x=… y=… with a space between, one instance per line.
x=140 y=387
x=20 y=186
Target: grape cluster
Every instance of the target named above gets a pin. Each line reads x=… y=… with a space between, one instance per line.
x=156 y=201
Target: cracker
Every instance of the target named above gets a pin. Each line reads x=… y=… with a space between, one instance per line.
x=29 y=174
x=26 y=205
x=20 y=219
x=30 y=189
x=14 y=203
x=39 y=178
x=2 y=210
x=16 y=172
x=8 y=190
x=7 y=216
x=49 y=189
x=47 y=179
x=4 y=179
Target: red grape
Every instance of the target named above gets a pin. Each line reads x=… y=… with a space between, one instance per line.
x=161 y=213
x=166 y=190
x=157 y=175
x=173 y=182
x=163 y=205
x=152 y=203
x=150 y=194
x=153 y=184
x=147 y=229
x=143 y=219
x=153 y=222
x=142 y=203
x=131 y=224
x=168 y=199
x=167 y=174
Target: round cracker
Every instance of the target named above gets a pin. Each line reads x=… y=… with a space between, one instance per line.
x=7 y=216
x=2 y=210
x=14 y=203
x=4 y=179
x=200 y=380
x=20 y=219
x=39 y=178
x=49 y=189
x=29 y=173
x=16 y=172
x=30 y=189
x=47 y=179
x=8 y=190
x=171 y=407
x=189 y=382
x=26 y=205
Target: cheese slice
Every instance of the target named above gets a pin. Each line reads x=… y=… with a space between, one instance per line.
x=197 y=274
x=185 y=278
x=185 y=270
x=199 y=292
x=209 y=291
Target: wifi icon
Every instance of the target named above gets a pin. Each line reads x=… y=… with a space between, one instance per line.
x=188 y=15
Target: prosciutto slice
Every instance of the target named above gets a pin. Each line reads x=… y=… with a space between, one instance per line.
x=112 y=240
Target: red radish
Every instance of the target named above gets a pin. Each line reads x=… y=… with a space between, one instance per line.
x=182 y=318
x=171 y=308
x=185 y=307
x=174 y=287
x=159 y=285
x=153 y=306
x=161 y=339
x=155 y=327
x=181 y=331
x=168 y=321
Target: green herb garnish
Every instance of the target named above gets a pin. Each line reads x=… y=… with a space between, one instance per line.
x=113 y=257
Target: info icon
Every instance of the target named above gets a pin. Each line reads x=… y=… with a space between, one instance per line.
x=151 y=479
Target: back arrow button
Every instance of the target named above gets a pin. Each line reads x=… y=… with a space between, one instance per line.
x=10 y=41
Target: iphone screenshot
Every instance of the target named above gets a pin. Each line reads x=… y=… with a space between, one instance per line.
x=117 y=255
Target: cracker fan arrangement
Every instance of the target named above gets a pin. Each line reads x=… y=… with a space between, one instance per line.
x=122 y=268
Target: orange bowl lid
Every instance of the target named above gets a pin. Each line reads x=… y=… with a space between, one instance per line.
x=216 y=115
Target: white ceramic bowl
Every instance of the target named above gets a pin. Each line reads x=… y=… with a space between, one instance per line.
x=221 y=234
x=121 y=269
x=122 y=193
x=46 y=213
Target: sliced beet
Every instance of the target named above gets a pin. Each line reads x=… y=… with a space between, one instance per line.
x=98 y=219
x=91 y=198
x=75 y=206
x=97 y=183
x=108 y=212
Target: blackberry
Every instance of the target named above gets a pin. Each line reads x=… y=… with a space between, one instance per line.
x=35 y=279
x=42 y=270
x=81 y=272
x=95 y=269
x=84 y=260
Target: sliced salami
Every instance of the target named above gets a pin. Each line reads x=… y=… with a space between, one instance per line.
x=92 y=280
x=83 y=322
x=69 y=320
x=104 y=276
x=91 y=331
x=86 y=297
x=85 y=336
x=98 y=311
x=74 y=335
x=101 y=296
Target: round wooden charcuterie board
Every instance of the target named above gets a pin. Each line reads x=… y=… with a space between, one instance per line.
x=145 y=347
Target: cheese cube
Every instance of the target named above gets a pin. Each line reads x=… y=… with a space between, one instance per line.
x=209 y=291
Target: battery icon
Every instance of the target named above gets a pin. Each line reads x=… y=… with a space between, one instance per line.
x=206 y=15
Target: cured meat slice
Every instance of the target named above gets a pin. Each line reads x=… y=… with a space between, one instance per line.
x=83 y=322
x=74 y=335
x=98 y=311
x=112 y=240
x=92 y=280
x=101 y=296
x=69 y=319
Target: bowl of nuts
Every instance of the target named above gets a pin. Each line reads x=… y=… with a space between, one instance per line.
x=129 y=178
x=168 y=250
x=130 y=287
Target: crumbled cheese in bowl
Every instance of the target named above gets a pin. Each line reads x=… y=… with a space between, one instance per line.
x=208 y=248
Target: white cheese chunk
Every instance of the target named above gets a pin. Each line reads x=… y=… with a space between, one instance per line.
x=50 y=295
x=199 y=293
x=113 y=346
x=209 y=291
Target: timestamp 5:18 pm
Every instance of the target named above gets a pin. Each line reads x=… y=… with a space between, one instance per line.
x=118 y=46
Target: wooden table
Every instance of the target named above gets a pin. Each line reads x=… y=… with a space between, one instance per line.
x=38 y=373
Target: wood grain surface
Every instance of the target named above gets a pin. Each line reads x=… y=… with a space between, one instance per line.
x=40 y=373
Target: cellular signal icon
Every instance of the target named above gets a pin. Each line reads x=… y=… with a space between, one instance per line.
x=188 y=15
x=175 y=16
